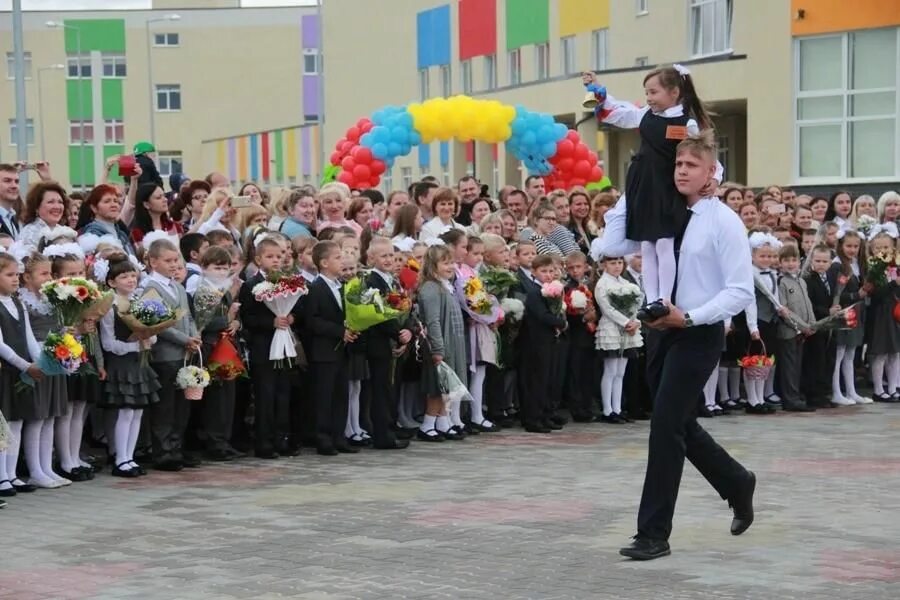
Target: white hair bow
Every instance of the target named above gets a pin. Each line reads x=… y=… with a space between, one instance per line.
x=682 y=70
x=759 y=239
x=156 y=235
x=90 y=241
x=20 y=251
x=889 y=229
x=67 y=249
x=60 y=232
x=101 y=269
x=404 y=244
x=841 y=233
x=260 y=237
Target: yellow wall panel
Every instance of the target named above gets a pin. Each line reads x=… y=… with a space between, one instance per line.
x=577 y=16
x=827 y=16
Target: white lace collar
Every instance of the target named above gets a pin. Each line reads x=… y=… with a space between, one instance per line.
x=34 y=303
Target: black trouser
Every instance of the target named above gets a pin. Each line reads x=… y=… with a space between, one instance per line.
x=559 y=357
x=381 y=400
x=535 y=385
x=218 y=414
x=168 y=417
x=272 y=405
x=332 y=394
x=579 y=381
x=636 y=396
x=816 y=380
x=495 y=396
x=677 y=368
x=790 y=359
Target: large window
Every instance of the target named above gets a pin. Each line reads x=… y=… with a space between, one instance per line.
x=406 y=176
x=168 y=97
x=114 y=131
x=542 y=59
x=11 y=65
x=514 y=66
x=465 y=76
x=599 y=49
x=114 y=66
x=75 y=132
x=424 y=91
x=446 y=81
x=29 y=132
x=310 y=61
x=710 y=26
x=166 y=39
x=567 y=54
x=169 y=163
x=490 y=71
x=846 y=110
x=78 y=66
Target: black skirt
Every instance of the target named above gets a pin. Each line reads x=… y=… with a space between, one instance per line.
x=737 y=341
x=129 y=383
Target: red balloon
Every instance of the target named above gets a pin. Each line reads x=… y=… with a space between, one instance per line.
x=346 y=177
x=346 y=147
x=362 y=173
x=377 y=167
x=340 y=144
x=582 y=169
x=335 y=158
x=581 y=152
x=348 y=163
x=565 y=148
x=596 y=174
x=374 y=180
x=576 y=181
x=565 y=165
x=367 y=126
x=573 y=136
x=592 y=158
x=362 y=155
x=353 y=134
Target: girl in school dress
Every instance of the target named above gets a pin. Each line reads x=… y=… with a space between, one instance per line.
x=656 y=211
x=883 y=331
x=737 y=340
x=131 y=385
x=846 y=280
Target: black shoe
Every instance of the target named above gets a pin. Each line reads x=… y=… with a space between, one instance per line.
x=392 y=445
x=345 y=448
x=551 y=425
x=326 y=451
x=469 y=430
x=266 y=453
x=234 y=454
x=88 y=472
x=484 y=428
x=406 y=434
x=705 y=412
x=9 y=492
x=742 y=505
x=288 y=450
x=759 y=409
x=128 y=473
x=75 y=475
x=190 y=461
x=361 y=442
x=797 y=407
x=558 y=420
x=653 y=311
x=646 y=549
x=169 y=464
x=882 y=398
x=537 y=428
x=432 y=435
x=218 y=455
x=452 y=435
x=624 y=417
x=505 y=422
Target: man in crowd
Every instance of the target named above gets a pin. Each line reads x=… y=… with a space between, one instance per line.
x=534 y=185
x=517 y=204
x=469 y=190
x=423 y=192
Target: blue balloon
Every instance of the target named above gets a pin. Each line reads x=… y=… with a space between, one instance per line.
x=406 y=119
x=378 y=117
x=394 y=149
x=380 y=151
x=548 y=149
x=529 y=138
x=398 y=134
x=560 y=130
x=367 y=140
x=406 y=149
x=414 y=138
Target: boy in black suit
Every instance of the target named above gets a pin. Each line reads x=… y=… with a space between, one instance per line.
x=579 y=366
x=271 y=386
x=525 y=255
x=378 y=347
x=818 y=355
x=541 y=330
x=328 y=352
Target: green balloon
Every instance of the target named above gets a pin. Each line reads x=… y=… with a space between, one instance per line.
x=599 y=185
x=331 y=174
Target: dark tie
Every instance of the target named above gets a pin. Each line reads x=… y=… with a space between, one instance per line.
x=825 y=283
x=679 y=237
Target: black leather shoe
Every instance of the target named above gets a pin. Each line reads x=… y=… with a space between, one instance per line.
x=451 y=435
x=266 y=453
x=797 y=407
x=881 y=397
x=218 y=455
x=288 y=450
x=612 y=418
x=8 y=492
x=742 y=505
x=537 y=428
x=558 y=420
x=705 y=412
x=549 y=424
x=234 y=454
x=128 y=473
x=190 y=461
x=392 y=445
x=75 y=475
x=646 y=549
x=23 y=488
x=759 y=409
x=432 y=435
x=482 y=428
x=406 y=434
x=346 y=449
x=169 y=464
x=360 y=442
x=326 y=451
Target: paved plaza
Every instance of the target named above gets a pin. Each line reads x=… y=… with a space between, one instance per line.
x=500 y=516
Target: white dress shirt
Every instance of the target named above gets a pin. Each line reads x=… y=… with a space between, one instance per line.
x=335 y=287
x=166 y=283
x=432 y=230
x=6 y=352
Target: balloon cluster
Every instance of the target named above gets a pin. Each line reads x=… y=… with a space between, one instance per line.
x=359 y=168
x=462 y=118
x=534 y=139
x=573 y=164
x=392 y=135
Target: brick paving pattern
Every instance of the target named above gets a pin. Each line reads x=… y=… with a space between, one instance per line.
x=502 y=516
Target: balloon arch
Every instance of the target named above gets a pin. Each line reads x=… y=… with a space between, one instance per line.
x=544 y=146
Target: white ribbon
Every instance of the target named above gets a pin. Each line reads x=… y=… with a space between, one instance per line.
x=682 y=70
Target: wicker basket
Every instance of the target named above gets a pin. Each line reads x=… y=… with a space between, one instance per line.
x=193 y=393
x=757 y=373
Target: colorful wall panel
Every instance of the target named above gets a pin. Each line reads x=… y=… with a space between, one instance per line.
x=433 y=37
x=527 y=22
x=278 y=157
x=309 y=36
x=827 y=16
x=477 y=28
x=579 y=16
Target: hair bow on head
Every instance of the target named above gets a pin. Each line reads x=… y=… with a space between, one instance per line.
x=61 y=250
x=888 y=229
x=758 y=239
x=90 y=241
x=682 y=70
x=841 y=233
x=435 y=242
x=156 y=235
x=404 y=244
x=257 y=240
x=137 y=264
x=101 y=269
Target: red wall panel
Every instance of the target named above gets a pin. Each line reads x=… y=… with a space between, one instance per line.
x=477 y=28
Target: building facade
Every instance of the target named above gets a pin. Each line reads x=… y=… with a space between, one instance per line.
x=219 y=72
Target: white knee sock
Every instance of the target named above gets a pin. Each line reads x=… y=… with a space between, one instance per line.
x=650 y=271
x=32 y=437
x=709 y=390
x=428 y=423
x=76 y=431
x=353 y=427
x=665 y=257
x=836 y=374
x=442 y=424
x=752 y=391
x=893 y=372
x=12 y=452
x=734 y=383
x=63 y=428
x=877 y=366
x=621 y=363
x=134 y=433
x=122 y=435
x=4 y=478
x=848 y=372
x=606 y=384
x=455 y=414
x=478 y=395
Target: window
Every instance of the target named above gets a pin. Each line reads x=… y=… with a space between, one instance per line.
x=78 y=66
x=169 y=163
x=846 y=105
x=542 y=59
x=75 y=132
x=11 y=65
x=567 y=55
x=490 y=71
x=29 y=132
x=406 y=176
x=641 y=7
x=465 y=76
x=168 y=97
x=387 y=182
x=641 y=61
x=446 y=178
x=722 y=144
x=446 y=81
x=424 y=91
x=166 y=39
x=710 y=26
x=114 y=132
x=599 y=50
x=310 y=61
x=514 y=66
x=114 y=66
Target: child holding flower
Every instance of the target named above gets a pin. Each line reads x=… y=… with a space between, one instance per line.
x=883 y=347
x=582 y=316
x=845 y=278
x=618 y=333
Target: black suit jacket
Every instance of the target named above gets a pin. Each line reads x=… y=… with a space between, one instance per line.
x=378 y=338
x=578 y=333
x=325 y=324
x=257 y=321
x=820 y=297
x=525 y=285
x=540 y=323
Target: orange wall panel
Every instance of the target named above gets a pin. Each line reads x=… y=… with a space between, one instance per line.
x=827 y=16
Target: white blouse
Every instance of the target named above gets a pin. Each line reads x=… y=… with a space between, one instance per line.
x=108 y=337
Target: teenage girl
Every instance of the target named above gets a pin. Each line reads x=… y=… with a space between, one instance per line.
x=656 y=211
x=883 y=348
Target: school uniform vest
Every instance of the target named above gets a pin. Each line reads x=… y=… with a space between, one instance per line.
x=14 y=333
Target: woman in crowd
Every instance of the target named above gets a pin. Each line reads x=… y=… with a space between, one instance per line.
x=151 y=213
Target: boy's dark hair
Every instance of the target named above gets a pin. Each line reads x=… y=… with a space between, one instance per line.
x=191 y=242
x=326 y=234
x=374 y=195
x=421 y=189
x=820 y=248
x=322 y=250
x=119 y=263
x=542 y=260
x=452 y=237
x=215 y=255
x=810 y=232
x=788 y=251
x=217 y=236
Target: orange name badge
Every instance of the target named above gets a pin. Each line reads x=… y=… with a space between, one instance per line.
x=676 y=132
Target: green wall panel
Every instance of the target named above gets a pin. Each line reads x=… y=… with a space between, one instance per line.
x=76 y=109
x=527 y=22
x=112 y=99
x=113 y=150
x=106 y=35
x=90 y=173
x=279 y=156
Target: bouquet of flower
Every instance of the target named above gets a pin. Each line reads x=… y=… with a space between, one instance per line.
x=481 y=306
x=207 y=304
x=513 y=308
x=864 y=225
x=452 y=388
x=497 y=282
x=513 y=311
x=365 y=307
x=409 y=274
x=846 y=318
x=881 y=269
x=554 y=292
x=399 y=300
x=626 y=299
x=280 y=292
x=192 y=380
x=62 y=354
x=148 y=315
x=577 y=301
x=71 y=297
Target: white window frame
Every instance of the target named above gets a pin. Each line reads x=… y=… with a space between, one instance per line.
x=11 y=65
x=446 y=178
x=387 y=182
x=87 y=126
x=490 y=71
x=698 y=6
x=424 y=84
x=167 y=40
x=446 y=81
x=641 y=7
x=114 y=60
x=567 y=55
x=82 y=65
x=111 y=125
x=465 y=76
x=169 y=89
x=599 y=49
x=314 y=52
x=542 y=61
x=164 y=160
x=514 y=66
x=29 y=132
x=406 y=176
x=844 y=120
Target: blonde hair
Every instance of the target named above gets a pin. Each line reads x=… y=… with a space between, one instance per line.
x=702 y=144
x=492 y=242
x=249 y=213
x=157 y=248
x=434 y=255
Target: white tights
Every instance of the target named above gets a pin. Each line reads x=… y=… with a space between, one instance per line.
x=709 y=390
x=611 y=385
x=659 y=268
x=729 y=383
x=754 y=389
x=9 y=459
x=69 y=428
x=890 y=363
x=843 y=365
x=477 y=393
x=353 y=428
x=128 y=426
x=39 y=450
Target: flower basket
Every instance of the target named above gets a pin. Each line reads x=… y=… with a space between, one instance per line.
x=192 y=379
x=225 y=362
x=757 y=366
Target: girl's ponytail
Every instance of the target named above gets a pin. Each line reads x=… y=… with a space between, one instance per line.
x=693 y=104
